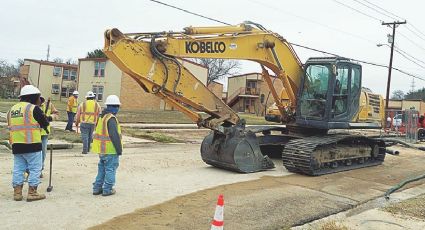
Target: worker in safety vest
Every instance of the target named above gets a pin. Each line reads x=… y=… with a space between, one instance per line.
x=71 y=110
x=51 y=114
x=107 y=143
x=87 y=114
x=25 y=121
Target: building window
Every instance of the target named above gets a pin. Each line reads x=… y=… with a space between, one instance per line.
x=64 y=92
x=73 y=75
x=98 y=91
x=262 y=97
x=57 y=71
x=65 y=74
x=99 y=69
x=55 y=88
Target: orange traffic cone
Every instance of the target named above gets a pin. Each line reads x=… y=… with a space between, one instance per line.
x=218 y=221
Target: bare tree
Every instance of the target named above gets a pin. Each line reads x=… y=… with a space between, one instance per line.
x=398 y=95
x=219 y=68
x=58 y=60
x=8 y=70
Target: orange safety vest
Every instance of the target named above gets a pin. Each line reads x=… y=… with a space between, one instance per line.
x=24 y=129
x=102 y=144
x=89 y=111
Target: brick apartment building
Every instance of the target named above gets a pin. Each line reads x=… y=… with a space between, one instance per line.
x=248 y=93
x=55 y=80
x=104 y=78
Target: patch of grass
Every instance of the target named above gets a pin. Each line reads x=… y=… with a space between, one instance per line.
x=60 y=134
x=4 y=136
x=333 y=225
x=140 y=116
x=412 y=207
x=4 y=133
x=252 y=119
x=6 y=104
x=150 y=135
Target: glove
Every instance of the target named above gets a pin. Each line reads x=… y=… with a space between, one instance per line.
x=50 y=118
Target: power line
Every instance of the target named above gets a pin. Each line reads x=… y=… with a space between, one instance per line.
x=313 y=21
x=374 y=9
x=413 y=32
x=298 y=45
x=411 y=41
x=397 y=17
x=358 y=11
x=414 y=27
x=387 y=13
x=405 y=56
x=417 y=59
x=189 y=12
x=358 y=60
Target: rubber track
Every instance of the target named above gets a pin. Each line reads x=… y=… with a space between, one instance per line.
x=298 y=154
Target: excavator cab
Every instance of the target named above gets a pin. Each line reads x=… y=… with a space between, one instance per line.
x=329 y=93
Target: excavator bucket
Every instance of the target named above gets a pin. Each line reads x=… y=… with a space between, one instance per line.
x=236 y=149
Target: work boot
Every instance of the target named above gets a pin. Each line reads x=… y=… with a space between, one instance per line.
x=97 y=192
x=112 y=192
x=33 y=195
x=17 y=193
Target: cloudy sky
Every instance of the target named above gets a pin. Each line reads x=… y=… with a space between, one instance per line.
x=74 y=27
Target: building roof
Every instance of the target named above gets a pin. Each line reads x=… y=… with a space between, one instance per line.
x=217 y=82
x=93 y=59
x=246 y=74
x=53 y=63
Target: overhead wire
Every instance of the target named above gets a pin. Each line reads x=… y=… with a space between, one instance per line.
x=417 y=59
x=261 y=3
x=190 y=12
x=391 y=15
x=358 y=11
x=374 y=9
x=298 y=45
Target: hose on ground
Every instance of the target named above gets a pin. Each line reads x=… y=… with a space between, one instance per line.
x=401 y=184
x=402 y=143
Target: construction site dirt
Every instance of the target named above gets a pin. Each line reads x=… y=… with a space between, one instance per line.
x=167 y=186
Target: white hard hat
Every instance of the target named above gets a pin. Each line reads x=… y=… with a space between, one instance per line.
x=112 y=100
x=75 y=93
x=28 y=90
x=90 y=94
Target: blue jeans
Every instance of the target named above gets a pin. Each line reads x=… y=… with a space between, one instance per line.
x=86 y=135
x=44 y=140
x=106 y=170
x=71 y=116
x=30 y=161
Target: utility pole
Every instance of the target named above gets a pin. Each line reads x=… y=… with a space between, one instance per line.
x=48 y=52
x=394 y=25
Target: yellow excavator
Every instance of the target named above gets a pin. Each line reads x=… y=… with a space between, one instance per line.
x=320 y=98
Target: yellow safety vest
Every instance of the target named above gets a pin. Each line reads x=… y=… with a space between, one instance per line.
x=74 y=105
x=102 y=144
x=48 y=113
x=23 y=128
x=89 y=111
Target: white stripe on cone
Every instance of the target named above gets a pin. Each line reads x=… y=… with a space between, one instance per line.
x=218 y=221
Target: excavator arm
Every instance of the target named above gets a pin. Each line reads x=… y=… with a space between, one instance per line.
x=152 y=59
